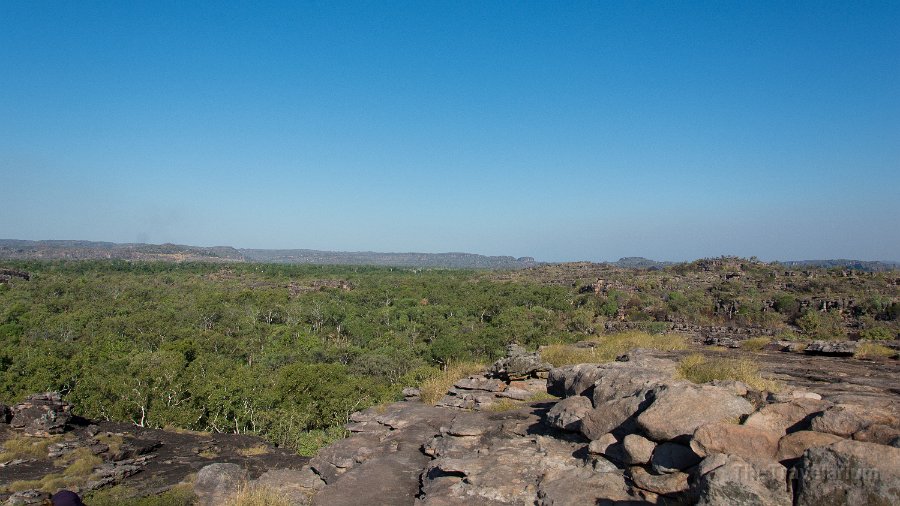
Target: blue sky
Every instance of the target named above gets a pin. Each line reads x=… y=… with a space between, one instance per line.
x=559 y=130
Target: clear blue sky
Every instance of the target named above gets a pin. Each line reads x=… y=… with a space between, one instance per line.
x=559 y=130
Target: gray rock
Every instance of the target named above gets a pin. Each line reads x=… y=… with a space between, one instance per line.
x=41 y=415
x=832 y=348
x=848 y=472
x=481 y=383
x=215 y=483
x=411 y=392
x=582 y=486
x=519 y=364
x=680 y=409
x=27 y=497
x=567 y=413
x=615 y=415
x=672 y=457
x=731 y=480
x=573 y=380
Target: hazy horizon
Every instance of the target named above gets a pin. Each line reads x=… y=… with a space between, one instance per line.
x=561 y=131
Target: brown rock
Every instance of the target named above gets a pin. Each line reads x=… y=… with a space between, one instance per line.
x=747 y=442
x=662 y=484
x=637 y=450
x=846 y=419
x=877 y=433
x=568 y=413
x=794 y=444
x=784 y=417
x=679 y=410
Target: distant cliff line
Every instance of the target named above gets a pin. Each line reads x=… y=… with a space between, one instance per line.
x=16 y=249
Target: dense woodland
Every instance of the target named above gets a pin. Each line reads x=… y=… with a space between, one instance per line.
x=288 y=352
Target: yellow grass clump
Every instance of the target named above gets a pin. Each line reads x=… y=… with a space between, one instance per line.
x=433 y=388
x=755 y=344
x=251 y=451
x=700 y=369
x=608 y=347
x=871 y=350
x=23 y=447
x=257 y=496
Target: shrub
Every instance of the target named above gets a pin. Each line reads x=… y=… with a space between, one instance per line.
x=878 y=334
x=871 y=350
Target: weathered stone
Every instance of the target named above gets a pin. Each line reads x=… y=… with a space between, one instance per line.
x=28 y=497
x=216 y=482
x=784 y=417
x=846 y=419
x=848 y=472
x=573 y=380
x=679 y=410
x=296 y=486
x=731 y=480
x=601 y=445
x=832 y=348
x=583 y=486
x=750 y=443
x=41 y=415
x=793 y=445
x=411 y=393
x=672 y=457
x=467 y=426
x=518 y=364
x=736 y=387
x=663 y=484
x=481 y=383
x=517 y=394
x=568 y=413
x=615 y=415
x=637 y=450
x=877 y=433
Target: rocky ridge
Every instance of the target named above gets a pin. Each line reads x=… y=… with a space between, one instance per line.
x=625 y=432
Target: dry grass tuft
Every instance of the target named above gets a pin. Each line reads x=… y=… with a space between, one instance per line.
x=251 y=451
x=257 y=496
x=700 y=369
x=26 y=447
x=755 y=344
x=871 y=350
x=433 y=388
x=609 y=347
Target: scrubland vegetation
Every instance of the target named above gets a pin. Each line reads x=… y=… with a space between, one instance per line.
x=287 y=352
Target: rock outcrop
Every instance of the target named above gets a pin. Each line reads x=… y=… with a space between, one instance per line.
x=41 y=415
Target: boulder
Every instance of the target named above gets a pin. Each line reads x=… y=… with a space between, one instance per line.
x=672 y=457
x=680 y=409
x=481 y=383
x=729 y=479
x=601 y=445
x=877 y=433
x=846 y=419
x=637 y=450
x=617 y=415
x=750 y=443
x=784 y=417
x=567 y=413
x=519 y=364
x=832 y=348
x=215 y=483
x=411 y=393
x=848 y=472
x=792 y=446
x=662 y=484
x=41 y=415
x=582 y=486
x=573 y=380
